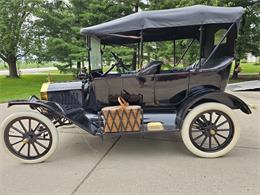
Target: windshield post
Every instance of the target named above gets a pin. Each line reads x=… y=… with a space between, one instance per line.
x=201 y=44
x=88 y=52
x=142 y=49
x=138 y=55
x=174 y=53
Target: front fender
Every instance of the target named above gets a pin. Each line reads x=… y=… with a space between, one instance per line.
x=34 y=101
x=209 y=96
x=75 y=115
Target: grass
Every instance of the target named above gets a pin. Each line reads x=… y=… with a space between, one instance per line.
x=239 y=80
x=56 y=72
x=26 y=86
x=248 y=67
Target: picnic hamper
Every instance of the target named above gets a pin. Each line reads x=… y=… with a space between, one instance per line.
x=122 y=117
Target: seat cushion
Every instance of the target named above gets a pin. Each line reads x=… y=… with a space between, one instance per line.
x=151 y=68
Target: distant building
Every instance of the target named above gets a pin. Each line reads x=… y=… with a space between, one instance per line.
x=252 y=58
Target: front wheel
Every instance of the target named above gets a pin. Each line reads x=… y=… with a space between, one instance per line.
x=29 y=137
x=210 y=130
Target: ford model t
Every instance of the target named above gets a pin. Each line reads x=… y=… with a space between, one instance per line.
x=190 y=99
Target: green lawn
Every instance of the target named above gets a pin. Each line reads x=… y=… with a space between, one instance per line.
x=249 y=67
x=26 y=86
x=56 y=72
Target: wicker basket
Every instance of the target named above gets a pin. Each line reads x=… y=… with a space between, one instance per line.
x=122 y=117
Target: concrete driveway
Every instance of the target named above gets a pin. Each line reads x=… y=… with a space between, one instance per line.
x=154 y=164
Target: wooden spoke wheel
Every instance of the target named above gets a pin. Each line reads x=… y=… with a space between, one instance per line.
x=210 y=130
x=29 y=136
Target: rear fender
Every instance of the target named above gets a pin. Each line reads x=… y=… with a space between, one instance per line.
x=196 y=99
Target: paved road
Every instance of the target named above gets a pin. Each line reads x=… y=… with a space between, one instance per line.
x=30 y=70
x=154 y=164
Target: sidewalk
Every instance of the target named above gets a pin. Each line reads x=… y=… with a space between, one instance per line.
x=30 y=70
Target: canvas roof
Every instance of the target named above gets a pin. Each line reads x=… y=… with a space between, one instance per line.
x=152 y=21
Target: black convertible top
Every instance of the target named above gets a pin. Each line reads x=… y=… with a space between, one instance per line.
x=133 y=24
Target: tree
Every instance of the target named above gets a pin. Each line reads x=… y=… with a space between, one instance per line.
x=60 y=23
x=59 y=28
x=96 y=12
x=249 y=34
x=16 y=31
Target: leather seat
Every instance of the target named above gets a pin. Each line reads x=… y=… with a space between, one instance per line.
x=153 y=67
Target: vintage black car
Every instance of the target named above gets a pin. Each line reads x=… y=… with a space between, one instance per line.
x=189 y=99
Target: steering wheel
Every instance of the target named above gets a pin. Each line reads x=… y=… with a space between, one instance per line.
x=119 y=64
x=115 y=56
x=119 y=61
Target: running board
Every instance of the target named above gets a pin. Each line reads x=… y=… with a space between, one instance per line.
x=160 y=122
x=151 y=122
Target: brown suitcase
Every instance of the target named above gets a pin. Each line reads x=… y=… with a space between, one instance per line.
x=122 y=117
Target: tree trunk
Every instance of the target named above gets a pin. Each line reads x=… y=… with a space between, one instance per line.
x=12 y=67
x=70 y=64
x=148 y=57
x=236 y=69
x=78 y=67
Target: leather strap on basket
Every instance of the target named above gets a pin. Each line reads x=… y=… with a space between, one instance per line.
x=122 y=102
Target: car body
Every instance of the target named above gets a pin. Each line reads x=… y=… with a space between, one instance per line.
x=169 y=97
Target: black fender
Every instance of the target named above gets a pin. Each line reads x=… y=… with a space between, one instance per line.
x=201 y=97
x=76 y=116
x=35 y=102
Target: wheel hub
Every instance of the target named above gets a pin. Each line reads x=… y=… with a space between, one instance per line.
x=212 y=132
x=29 y=137
x=25 y=141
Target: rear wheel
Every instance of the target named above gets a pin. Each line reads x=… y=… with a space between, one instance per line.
x=29 y=137
x=210 y=130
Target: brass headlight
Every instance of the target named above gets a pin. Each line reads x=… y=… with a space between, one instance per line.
x=44 y=91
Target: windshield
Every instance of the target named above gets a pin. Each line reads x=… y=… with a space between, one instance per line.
x=95 y=54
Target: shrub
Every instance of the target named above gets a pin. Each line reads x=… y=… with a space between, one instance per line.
x=243 y=61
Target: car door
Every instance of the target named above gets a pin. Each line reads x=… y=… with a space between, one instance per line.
x=140 y=85
x=107 y=89
x=171 y=88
